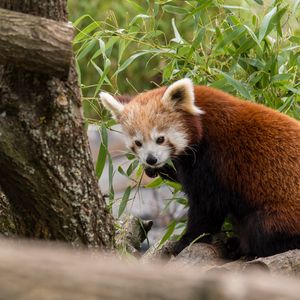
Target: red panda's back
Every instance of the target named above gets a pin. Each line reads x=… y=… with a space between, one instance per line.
x=257 y=153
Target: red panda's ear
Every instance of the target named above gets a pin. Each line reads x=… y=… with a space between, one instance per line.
x=181 y=94
x=124 y=99
x=111 y=104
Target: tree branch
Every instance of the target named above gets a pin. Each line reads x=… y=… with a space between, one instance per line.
x=35 y=43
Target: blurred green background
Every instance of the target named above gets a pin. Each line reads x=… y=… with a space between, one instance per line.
x=248 y=48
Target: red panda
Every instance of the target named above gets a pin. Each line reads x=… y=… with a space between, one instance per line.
x=233 y=158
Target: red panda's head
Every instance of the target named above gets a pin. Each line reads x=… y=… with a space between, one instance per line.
x=159 y=124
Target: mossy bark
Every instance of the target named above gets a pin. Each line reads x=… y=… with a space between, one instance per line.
x=46 y=170
x=7 y=223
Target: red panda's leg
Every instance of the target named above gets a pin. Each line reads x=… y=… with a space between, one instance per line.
x=259 y=240
x=201 y=219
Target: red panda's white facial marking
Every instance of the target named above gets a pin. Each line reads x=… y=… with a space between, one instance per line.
x=153 y=149
x=158 y=124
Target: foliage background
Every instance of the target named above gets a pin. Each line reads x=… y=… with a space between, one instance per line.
x=242 y=47
x=248 y=48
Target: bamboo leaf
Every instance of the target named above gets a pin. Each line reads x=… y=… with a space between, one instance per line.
x=132 y=167
x=174 y=9
x=129 y=61
x=107 y=65
x=88 y=48
x=124 y=201
x=155 y=183
x=102 y=153
x=110 y=178
x=266 y=24
x=231 y=36
x=237 y=85
x=170 y=230
x=137 y=17
x=85 y=33
x=178 y=39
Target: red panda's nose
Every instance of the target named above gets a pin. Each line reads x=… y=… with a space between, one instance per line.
x=151 y=160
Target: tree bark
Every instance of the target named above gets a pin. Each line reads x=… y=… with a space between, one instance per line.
x=286 y=263
x=35 y=273
x=7 y=223
x=45 y=165
x=35 y=43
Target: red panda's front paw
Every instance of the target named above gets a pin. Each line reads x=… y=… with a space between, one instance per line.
x=151 y=172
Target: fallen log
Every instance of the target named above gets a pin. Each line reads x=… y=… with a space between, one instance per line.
x=35 y=43
x=47 y=271
x=210 y=257
x=286 y=263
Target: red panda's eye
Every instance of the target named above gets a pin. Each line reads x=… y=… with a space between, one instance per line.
x=138 y=143
x=160 y=140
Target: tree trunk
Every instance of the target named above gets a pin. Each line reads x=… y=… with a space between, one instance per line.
x=7 y=224
x=46 y=170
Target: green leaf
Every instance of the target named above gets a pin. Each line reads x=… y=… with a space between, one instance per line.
x=124 y=201
x=107 y=65
x=260 y=2
x=174 y=9
x=137 y=17
x=76 y=23
x=201 y=6
x=237 y=85
x=296 y=5
x=168 y=71
x=253 y=36
x=78 y=70
x=248 y=44
x=231 y=36
x=136 y=6
x=253 y=62
x=281 y=77
x=122 y=47
x=129 y=61
x=102 y=153
x=130 y=156
x=287 y=104
x=85 y=33
x=152 y=34
x=277 y=19
x=181 y=201
x=178 y=39
x=199 y=38
x=235 y=7
x=132 y=167
x=121 y=171
x=155 y=183
x=139 y=171
x=295 y=38
x=175 y=185
x=266 y=24
x=86 y=49
x=110 y=178
x=170 y=230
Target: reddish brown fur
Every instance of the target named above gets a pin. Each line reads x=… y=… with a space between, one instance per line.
x=275 y=163
x=251 y=160
x=158 y=115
